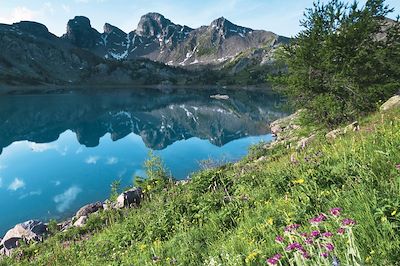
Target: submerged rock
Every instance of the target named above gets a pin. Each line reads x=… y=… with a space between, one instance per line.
x=132 y=196
x=88 y=209
x=28 y=231
x=392 y=103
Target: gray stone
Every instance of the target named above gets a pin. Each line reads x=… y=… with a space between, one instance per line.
x=132 y=196
x=304 y=142
x=29 y=231
x=81 y=221
x=392 y=103
x=88 y=209
x=334 y=133
x=355 y=126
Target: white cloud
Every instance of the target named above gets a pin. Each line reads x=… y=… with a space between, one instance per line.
x=92 y=159
x=42 y=147
x=65 y=199
x=1 y=182
x=112 y=160
x=16 y=184
x=32 y=193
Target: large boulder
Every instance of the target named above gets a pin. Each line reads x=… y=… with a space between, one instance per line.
x=81 y=221
x=88 y=209
x=392 y=103
x=129 y=197
x=30 y=231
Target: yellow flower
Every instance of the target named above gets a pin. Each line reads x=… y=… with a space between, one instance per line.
x=299 y=181
x=368 y=259
x=394 y=212
x=148 y=187
x=270 y=221
x=142 y=247
x=251 y=257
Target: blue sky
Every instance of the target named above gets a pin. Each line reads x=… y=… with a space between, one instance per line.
x=279 y=16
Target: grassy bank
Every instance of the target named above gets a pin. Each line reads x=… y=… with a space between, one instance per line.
x=231 y=215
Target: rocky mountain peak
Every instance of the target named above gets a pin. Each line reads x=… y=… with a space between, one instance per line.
x=34 y=28
x=152 y=24
x=81 y=33
x=108 y=28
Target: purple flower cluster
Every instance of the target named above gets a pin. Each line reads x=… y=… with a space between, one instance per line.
x=348 y=222
x=336 y=211
x=279 y=239
x=306 y=243
x=274 y=260
x=292 y=227
x=319 y=219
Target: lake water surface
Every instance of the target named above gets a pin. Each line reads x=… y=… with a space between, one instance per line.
x=61 y=151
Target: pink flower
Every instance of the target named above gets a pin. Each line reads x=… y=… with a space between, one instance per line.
x=319 y=219
x=315 y=233
x=279 y=239
x=272 y=261
x=294 y=246
x=306 y=255
x=329 y=247
x=309 y=241
x=324 y=255
x=327 y=234
x=348 y=222
x=341 y=231
x=398 y=166
x=336 y=211
x=292 y=227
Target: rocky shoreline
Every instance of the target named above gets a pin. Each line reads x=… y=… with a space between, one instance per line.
x=36 y=231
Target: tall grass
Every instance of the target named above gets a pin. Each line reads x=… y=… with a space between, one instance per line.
x=231 y=215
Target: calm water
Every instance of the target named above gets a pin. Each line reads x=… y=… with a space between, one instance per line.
x=61 y=151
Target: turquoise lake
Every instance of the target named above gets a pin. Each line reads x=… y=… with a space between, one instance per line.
x=60 y=151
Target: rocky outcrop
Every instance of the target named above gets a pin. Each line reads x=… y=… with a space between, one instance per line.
x=355 y=126
x=391 y=104
x=81 y=221
x=131 y=197
x=30 y=231
x=80 y=33
x=88 y=209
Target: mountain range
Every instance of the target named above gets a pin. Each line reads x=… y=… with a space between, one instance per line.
x=30 y=54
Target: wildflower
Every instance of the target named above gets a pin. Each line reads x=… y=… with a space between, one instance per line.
x=277 y=256
x=327 y=234
x=270 y=221
x=294 y=246
x=329 y=247
x=299 y=181
x=341 y=231
x=336 y=211
x=315 y=233
x=272 y=261
x=336 y=261
x=394 y=212
x=309 y=241
x=397 y=166
x=251 y=257
x=279 y=239
x=292 y=227
x=324 y=255
x=319 y=219
x=348 y=222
